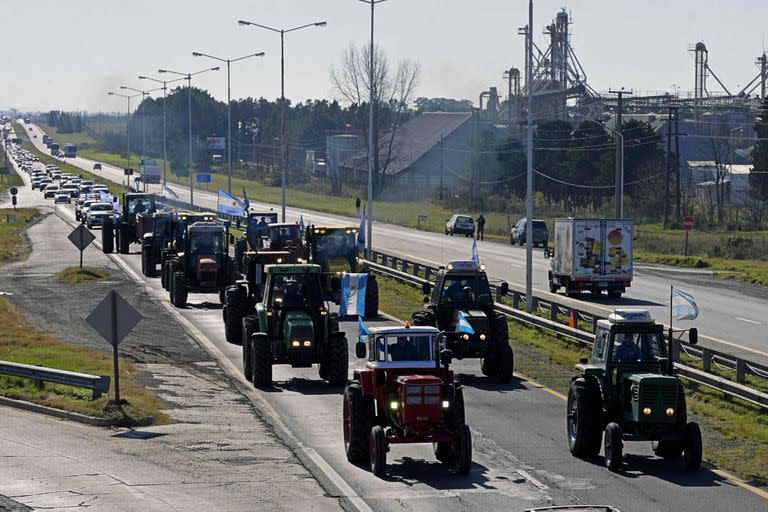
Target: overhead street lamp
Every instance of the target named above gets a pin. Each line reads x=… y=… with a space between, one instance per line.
x=188 y=78
x=229 y=110
x=165 y=144
x=144 y=94
x=284 y=145
x=127 y=127
x=372 y=95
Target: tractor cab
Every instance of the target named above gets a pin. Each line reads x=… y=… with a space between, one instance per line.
x=160 y=230
x=204 y=259
x=285 y=237
x=135 y=204
x=257 y=228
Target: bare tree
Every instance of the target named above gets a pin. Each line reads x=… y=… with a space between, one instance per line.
x=393 y=90
x=721 y=154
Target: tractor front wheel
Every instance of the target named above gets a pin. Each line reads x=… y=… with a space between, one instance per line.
x=179 y=290
x=337 y=359
x=613 y=446
x=261 y=360
x=378 y=450
x=692 y=441
x=584 y=418
x=359 y=415
x=234 y=310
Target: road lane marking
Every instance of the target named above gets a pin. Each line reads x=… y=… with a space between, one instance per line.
x=748 y=320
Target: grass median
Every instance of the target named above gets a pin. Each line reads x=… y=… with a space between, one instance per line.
x=735 y=432
x=85 y=275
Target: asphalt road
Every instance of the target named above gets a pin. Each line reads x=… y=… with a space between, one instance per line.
x=520 y=451
x=732 y=317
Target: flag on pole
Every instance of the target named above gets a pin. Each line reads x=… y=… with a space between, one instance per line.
x=361 y=233
x=230 y=205
x=169 y=191
x=464 y=325
x=683 y=306
x=363 y=328
x=302 y=227
x=246 y=203
x=475 y=255
x=353 y=294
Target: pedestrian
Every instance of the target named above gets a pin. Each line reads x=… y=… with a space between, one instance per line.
x=480 y=227
x=357 y=205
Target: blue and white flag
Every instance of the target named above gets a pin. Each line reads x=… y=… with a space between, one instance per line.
x=246 y=202
x=230 y=205
x=169 y=191
x=353 y=294
x=475 y=255
x=361 y=233
x=302 y=227
x=464 y=325
x=361 y=325
x=683 y=306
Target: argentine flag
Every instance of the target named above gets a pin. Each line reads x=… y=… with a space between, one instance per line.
x=475 y=254
x=464 y=325
x=353 y=294
x=230 y=205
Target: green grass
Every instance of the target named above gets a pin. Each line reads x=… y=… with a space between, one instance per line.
x=751 y=271
x=85 y=275
x=13 y=246
x=82 y=140
x=115 y=188
x=735 y=432
x=10 y=180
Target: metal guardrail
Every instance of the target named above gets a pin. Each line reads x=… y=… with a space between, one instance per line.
x=40 y=374
x=418 y=273
x=412 y=272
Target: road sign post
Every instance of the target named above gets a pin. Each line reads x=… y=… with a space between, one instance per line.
x=688 y=225
x=13 y=191
x=81 y=237
x=114 y=318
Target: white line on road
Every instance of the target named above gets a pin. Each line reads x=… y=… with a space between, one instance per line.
x=748 y=320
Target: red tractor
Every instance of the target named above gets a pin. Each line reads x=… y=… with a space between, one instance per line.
x=405 y=394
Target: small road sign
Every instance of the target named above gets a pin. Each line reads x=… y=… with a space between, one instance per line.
x=81 y=237
x=113 y=319
x=688 y=223
x=13 y=191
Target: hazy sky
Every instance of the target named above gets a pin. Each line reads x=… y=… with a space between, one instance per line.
x=68 y=54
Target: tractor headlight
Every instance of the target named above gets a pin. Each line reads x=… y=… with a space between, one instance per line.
x=295 y=343
x=647 y=411
x=670 y=411
x=446 y=404
x=393 y=405
x=465 y=337
x=450 y=266
x=307 y=343
x=482 y=267
x=482 y=337
x=279 y=260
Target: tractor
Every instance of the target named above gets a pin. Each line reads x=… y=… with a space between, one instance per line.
x=127 y=228
x=462 y=297
x=184 y=219
x=286 y=237
x=256 y=232
x=628 y=390
x=291 y=324
x=406 y=393
x=161 y=235
x=242 y=297
x=202 y=264
x=335 y=250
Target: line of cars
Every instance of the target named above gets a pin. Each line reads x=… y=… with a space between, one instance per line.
x=460 y=224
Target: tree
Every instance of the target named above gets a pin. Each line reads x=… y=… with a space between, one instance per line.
x=758 y=178
x=392 y=91
x=442 y=105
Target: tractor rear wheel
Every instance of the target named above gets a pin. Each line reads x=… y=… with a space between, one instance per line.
x=584 y=418
x=506 y=364
x=179 y=290
x=613 y=446
x=144 y=263
x=426 y=318
x=359 y=415
x=463 y=459
x=261 y=360
x=234 y=311
x=164 y=275
x=454 y=418
x=249 y=325
x=371 y=297
x=692 y=442
x=378 y=451
x=337 y=359
x=124 y=234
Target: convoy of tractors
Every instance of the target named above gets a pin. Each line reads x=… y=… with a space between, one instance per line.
x=277 y=286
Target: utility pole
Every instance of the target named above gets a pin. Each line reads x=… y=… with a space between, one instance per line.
x=669 y=168
x=619 y=154
x=475 y=183
x=763 y=75
x=677 y=165
x=442 y=150
x=529 y=165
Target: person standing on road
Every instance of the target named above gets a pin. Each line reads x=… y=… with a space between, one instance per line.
x=480 y=227
x=357 y=205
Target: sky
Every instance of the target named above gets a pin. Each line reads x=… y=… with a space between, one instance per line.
x=68 y=54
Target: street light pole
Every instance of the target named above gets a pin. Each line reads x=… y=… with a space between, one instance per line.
x=229 y=109
x=529 y=170
x=283 y=142
x=144 y=94
x=188 y=78
x=371 y=156
x=165 y=143
x=127 y=123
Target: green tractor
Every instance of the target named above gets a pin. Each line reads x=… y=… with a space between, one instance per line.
x=202 y=264
x=627 y=389
x=461 y=302
x=291 y=324
x=134 y=221
x=335 y=250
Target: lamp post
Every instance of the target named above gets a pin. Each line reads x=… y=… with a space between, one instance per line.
x=229 y=110
x=188 y=78
x=165 y=144
x=127 y=123
x=144 y=94
x=529 y=165
x=284 y=146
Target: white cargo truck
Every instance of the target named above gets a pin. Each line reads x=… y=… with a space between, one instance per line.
x=150 y=172
x=592 y=255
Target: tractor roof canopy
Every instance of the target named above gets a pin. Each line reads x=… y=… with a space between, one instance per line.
x=290 y=268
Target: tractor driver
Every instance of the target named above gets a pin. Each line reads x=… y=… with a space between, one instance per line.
x=403 y=350
x=139 y=207
x=627 y=351
x=204 y=244
x=455 y=291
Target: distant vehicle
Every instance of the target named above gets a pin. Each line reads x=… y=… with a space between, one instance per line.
x=70 y=151
x=519 y=231
x=460 y=224
x=46 y=138
x=150 y=172
x=97 y=212
x=97 y=166
x=50 y=191
x=61 y=197
x=54 y=147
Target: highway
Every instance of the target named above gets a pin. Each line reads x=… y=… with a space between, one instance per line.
x=520 y=451
x=732 y=315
